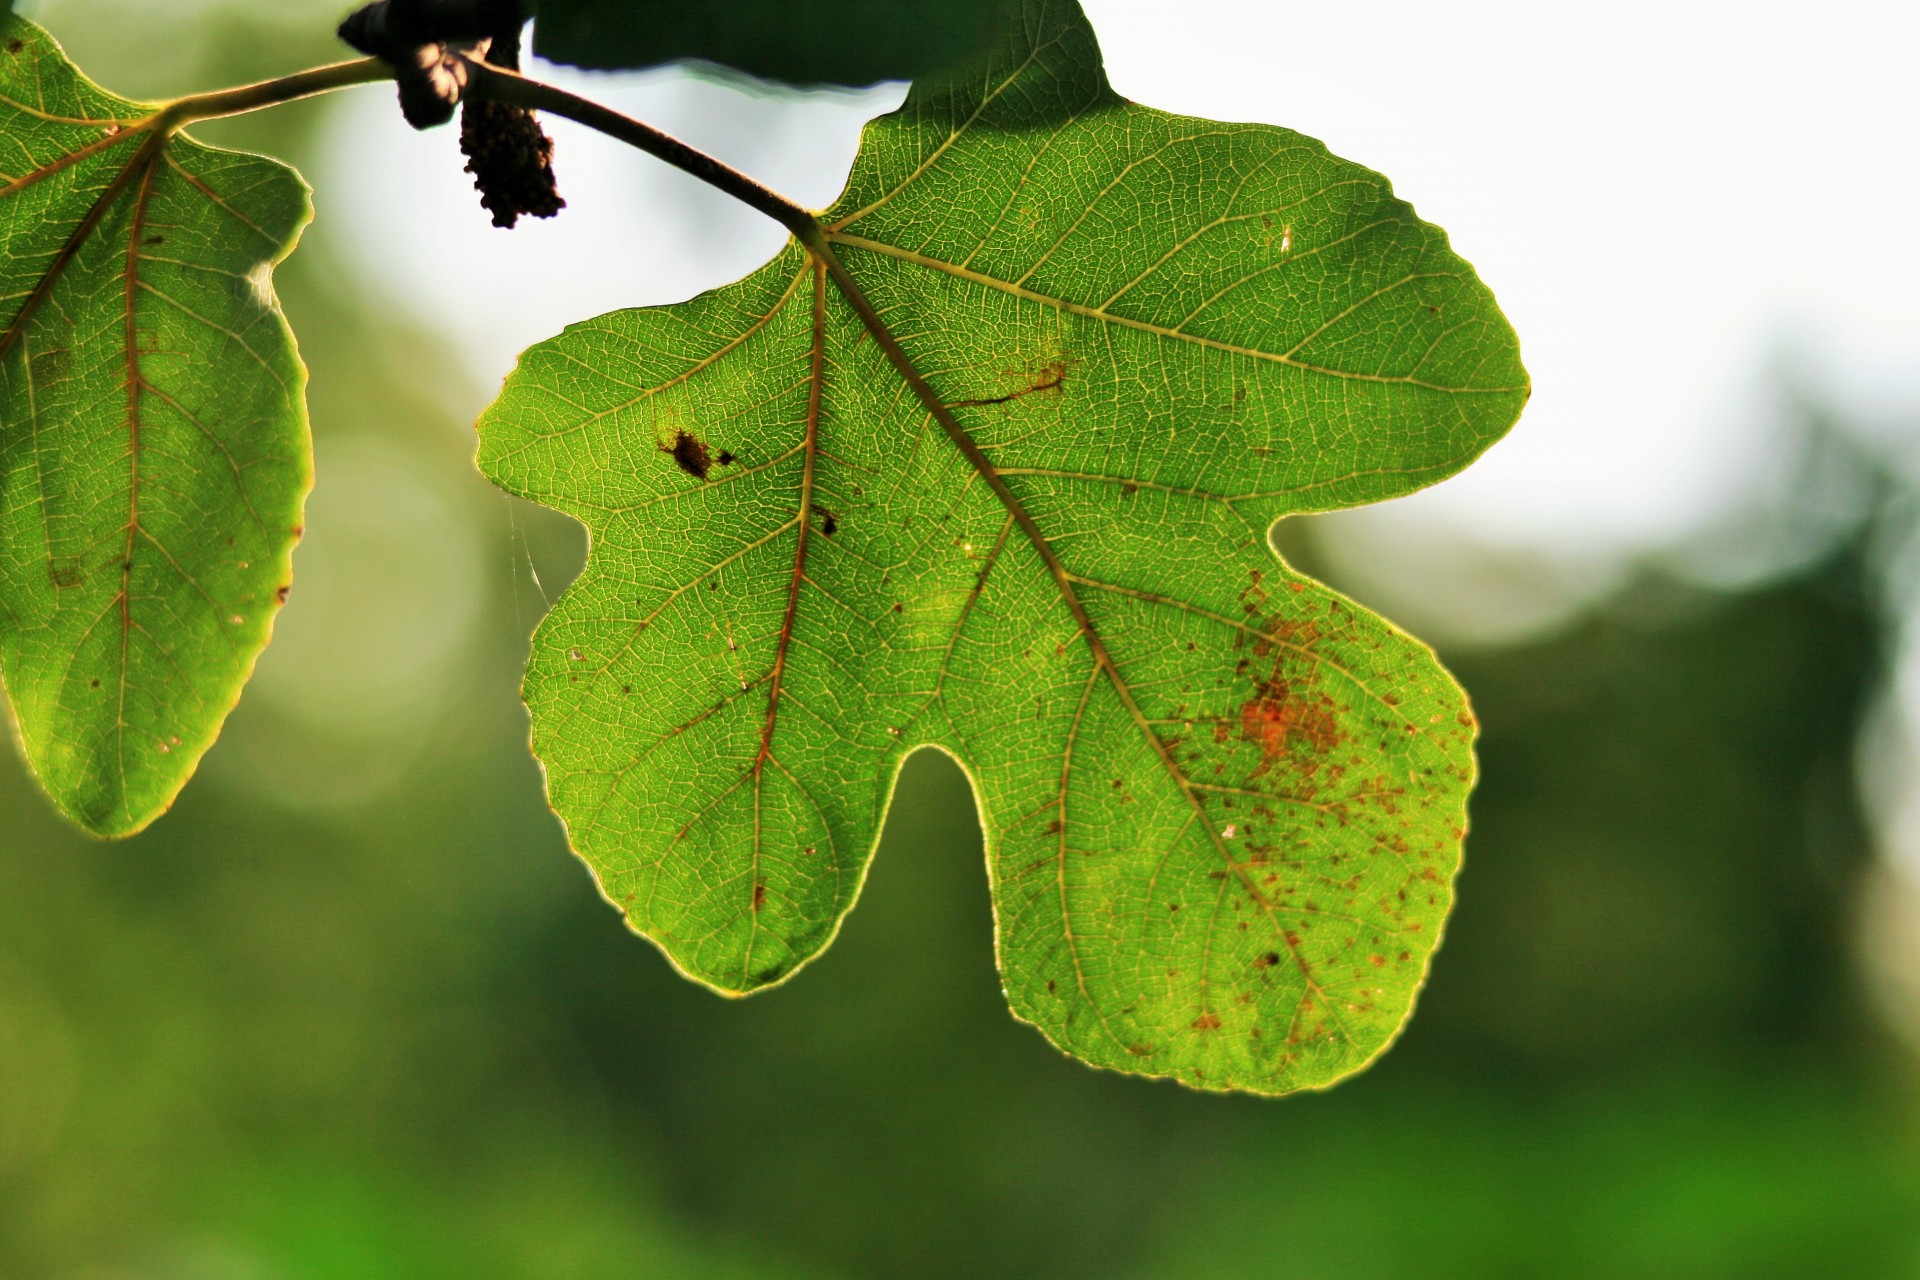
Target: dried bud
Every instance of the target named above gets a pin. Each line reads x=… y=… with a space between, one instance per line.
x=511 y=159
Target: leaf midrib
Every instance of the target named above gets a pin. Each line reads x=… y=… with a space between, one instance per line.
x=904 y=365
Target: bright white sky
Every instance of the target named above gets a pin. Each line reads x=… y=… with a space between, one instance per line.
x=1674 y=202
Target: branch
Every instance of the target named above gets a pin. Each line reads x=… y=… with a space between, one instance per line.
x=492 y=83
x=268 y=93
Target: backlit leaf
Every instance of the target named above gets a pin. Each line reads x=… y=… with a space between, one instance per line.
x=1223 y=805
x=153 y=439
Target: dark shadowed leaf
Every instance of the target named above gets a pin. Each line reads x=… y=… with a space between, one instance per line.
x=804 y=42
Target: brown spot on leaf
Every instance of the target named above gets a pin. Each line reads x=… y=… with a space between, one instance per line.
x=828 y=525
x=1281 y=719
x=52 y=364
x=759 y=896
x=1207 y=1022
x=1051 y=376
x=689 y=453
x=281 y=593
x=724 y=459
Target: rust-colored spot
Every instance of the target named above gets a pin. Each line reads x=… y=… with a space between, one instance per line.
x=1267 y=961
x=689 y=453
x=1055 y=827
x=1207 y=1022
x=281 y=593
x=759 y=896
x=1279 y=720
x=1141 y=1050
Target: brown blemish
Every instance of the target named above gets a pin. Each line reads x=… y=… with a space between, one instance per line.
x=828 y=525
x=52 y=364
x=1051 y=376
x=65 y=573
x=1140 y=1050
x=15 y=46
x=280 y=594
x=1280 y=719
x=759 y=896
x=724 y=459
x=689 y=453
x=1207 y=1022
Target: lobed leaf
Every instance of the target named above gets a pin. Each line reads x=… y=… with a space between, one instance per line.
x=154 y=455
x=1223 y=805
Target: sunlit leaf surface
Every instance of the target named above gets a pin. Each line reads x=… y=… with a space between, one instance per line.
x=1224 y=851
x=153 y=438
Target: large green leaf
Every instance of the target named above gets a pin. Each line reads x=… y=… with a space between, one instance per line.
x=845 y=42
x=153 y=438
x=1223 y=805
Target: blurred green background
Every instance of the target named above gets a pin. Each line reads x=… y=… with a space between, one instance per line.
x=353 y=1011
